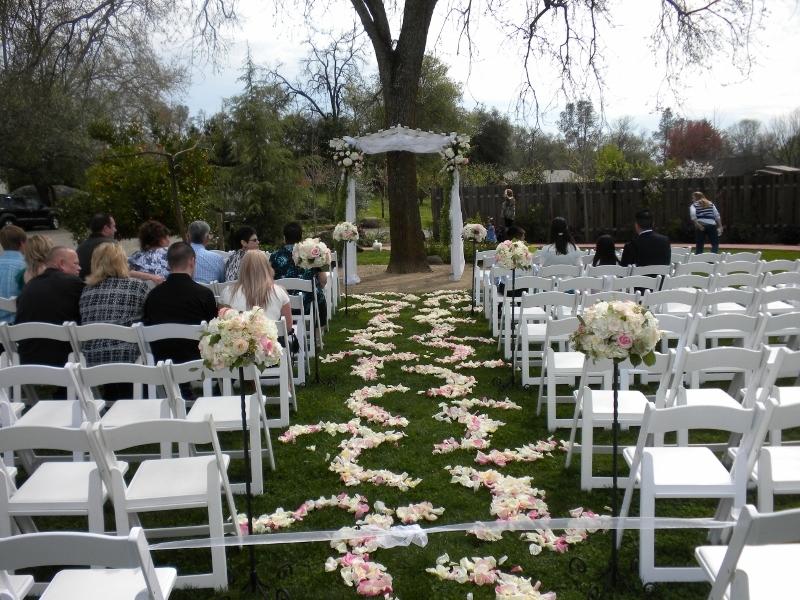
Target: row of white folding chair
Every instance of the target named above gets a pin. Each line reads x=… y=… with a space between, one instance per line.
x=60 y=488
x=128 y=570
x=716 y=257
x=760 y=560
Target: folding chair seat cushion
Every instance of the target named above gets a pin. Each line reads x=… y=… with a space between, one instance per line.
x=535 y=331
x=709 y=396
x=131 y=411
x=56 y=487
x=107 y=584
x=771 y=569
x=56 y=413
x=569 y=361
x=184 y=478
x=678 y=468
x=784 y=467
x=226 y=411
x=630 y=406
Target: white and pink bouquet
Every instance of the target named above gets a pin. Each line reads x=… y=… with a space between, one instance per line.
x=240 y=339
x=513 y=254
x=454 y=154
x=311 y=253
x=617 y=330
x=346 y=157
x=474 y=232
x=345 y=232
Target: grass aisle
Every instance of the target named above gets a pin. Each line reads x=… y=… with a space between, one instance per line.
x=303 y=468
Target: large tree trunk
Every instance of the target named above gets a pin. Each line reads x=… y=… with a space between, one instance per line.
x=399 y=65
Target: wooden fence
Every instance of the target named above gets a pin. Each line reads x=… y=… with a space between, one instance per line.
x=753 y=208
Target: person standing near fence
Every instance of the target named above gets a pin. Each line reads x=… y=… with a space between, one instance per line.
x=509 y=208
x=707 y=222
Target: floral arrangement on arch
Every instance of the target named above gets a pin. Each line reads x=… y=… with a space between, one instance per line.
x=311 y=253
x=346 y=157
x=454 y=153
x=345 y=232
x=513 y=254
x=617 y=330
x=239 y=339
x=474 y=232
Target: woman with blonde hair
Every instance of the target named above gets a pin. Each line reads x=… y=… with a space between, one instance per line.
x=256 y=287
x=111 y=296
x=37 y=248
x=707 y=222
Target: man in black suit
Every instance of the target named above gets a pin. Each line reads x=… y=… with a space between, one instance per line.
x=52 y=297
x=648 y=247
x=179 y=300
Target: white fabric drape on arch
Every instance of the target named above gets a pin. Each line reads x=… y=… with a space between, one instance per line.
x=456 y=227
x=350 y=215
x=404 y=139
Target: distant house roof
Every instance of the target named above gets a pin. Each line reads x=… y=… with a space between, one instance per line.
x=559 y=176
x=777 y=170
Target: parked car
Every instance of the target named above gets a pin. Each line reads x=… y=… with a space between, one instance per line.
x=26 y=212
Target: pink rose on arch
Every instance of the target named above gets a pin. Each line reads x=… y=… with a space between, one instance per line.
x=624 y=341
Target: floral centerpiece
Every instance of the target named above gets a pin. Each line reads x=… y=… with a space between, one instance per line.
x=617 y=330
x=346 y=157
x=239 y=339
x=311 y=253
x=474 y=232
x=454 y=154
x=345 y=232
x=513 y=254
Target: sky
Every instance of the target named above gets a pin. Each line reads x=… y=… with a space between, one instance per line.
x=633 y=78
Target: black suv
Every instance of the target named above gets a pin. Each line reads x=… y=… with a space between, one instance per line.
x=26 y=212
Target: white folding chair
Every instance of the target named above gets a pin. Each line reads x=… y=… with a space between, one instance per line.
x=728 y=301
x=661 y=472
x=780 y=266
x=301 y=360
x=582 y=284
x=88 y=381
x=781 y=329
x=167 y=331
x=738 y=266
x=560 y=271
x=742 y=328
x=588 y=300
x=695 y=268
x=54 y=413
x=129 y=572
x=671 y=302
x=655 y=270
x=707 y=257
x=739 y=281
x=759 y=562
x=312 y=327
x=484 y=261
x=607 y=271
x=634 y=283
x=54 y=487
x=595 y=408
x=169 y=484
x=526 y=284
x=124 y=336
x=779 y=300
x=495 y=299
x=225 y=410
x=783 y=364
x=14 y=334
x=532 y=326
x=679 y=255
x=677 y=282
x=742 y=256
x=784 y=279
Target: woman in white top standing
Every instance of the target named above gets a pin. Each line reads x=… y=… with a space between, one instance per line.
x=562 y=249
x=256 y=287
x=707 y=222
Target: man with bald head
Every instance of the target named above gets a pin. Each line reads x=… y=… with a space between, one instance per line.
x=52 y=297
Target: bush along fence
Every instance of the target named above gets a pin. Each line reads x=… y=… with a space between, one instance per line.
x=754 y=209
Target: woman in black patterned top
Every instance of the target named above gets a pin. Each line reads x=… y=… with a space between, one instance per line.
x=243 y=240
x=111 y=296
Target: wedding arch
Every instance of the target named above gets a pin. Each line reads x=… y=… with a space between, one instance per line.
x=404 y=139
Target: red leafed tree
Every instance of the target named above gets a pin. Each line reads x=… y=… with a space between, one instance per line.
x=693 y=140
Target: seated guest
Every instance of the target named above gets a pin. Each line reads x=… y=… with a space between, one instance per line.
x=179 y=300
x=37 y=249
x=283 y=266
x=111 y=296
x=12 y=265
x=52 y=297
x=562 y=249
x=648 y=247
x=605 y=253
x=256 y=287
x=103 y=229
x=244 y=239
x=209 y=266
x=151 y=258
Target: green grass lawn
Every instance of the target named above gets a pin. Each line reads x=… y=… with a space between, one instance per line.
x=374 y=210
x=302 y=473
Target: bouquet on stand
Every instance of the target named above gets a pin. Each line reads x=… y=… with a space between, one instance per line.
x=513 y=254
x=345 y=232
x=311 y=253
x=474 y=232
x=240 y=339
